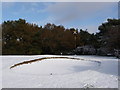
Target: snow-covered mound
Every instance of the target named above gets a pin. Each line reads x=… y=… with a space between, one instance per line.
x=60 y=73
x=56 y=67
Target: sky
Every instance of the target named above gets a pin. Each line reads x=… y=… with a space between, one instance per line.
x=81 y=15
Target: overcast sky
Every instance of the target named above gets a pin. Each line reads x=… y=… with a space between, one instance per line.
x=81 y=15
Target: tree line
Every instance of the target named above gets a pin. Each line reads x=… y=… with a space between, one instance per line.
x=22 y=38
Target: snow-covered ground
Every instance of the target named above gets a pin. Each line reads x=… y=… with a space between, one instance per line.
x=60 y=73
x=0 y=72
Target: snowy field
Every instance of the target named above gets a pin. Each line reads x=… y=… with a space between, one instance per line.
x=60 y=73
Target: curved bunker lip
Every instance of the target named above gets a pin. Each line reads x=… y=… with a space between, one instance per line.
x=40 y=59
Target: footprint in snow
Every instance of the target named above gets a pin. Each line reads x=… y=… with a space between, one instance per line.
x=88 y=86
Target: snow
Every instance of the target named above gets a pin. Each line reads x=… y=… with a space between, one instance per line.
x=60 y=73
x=0 y=72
